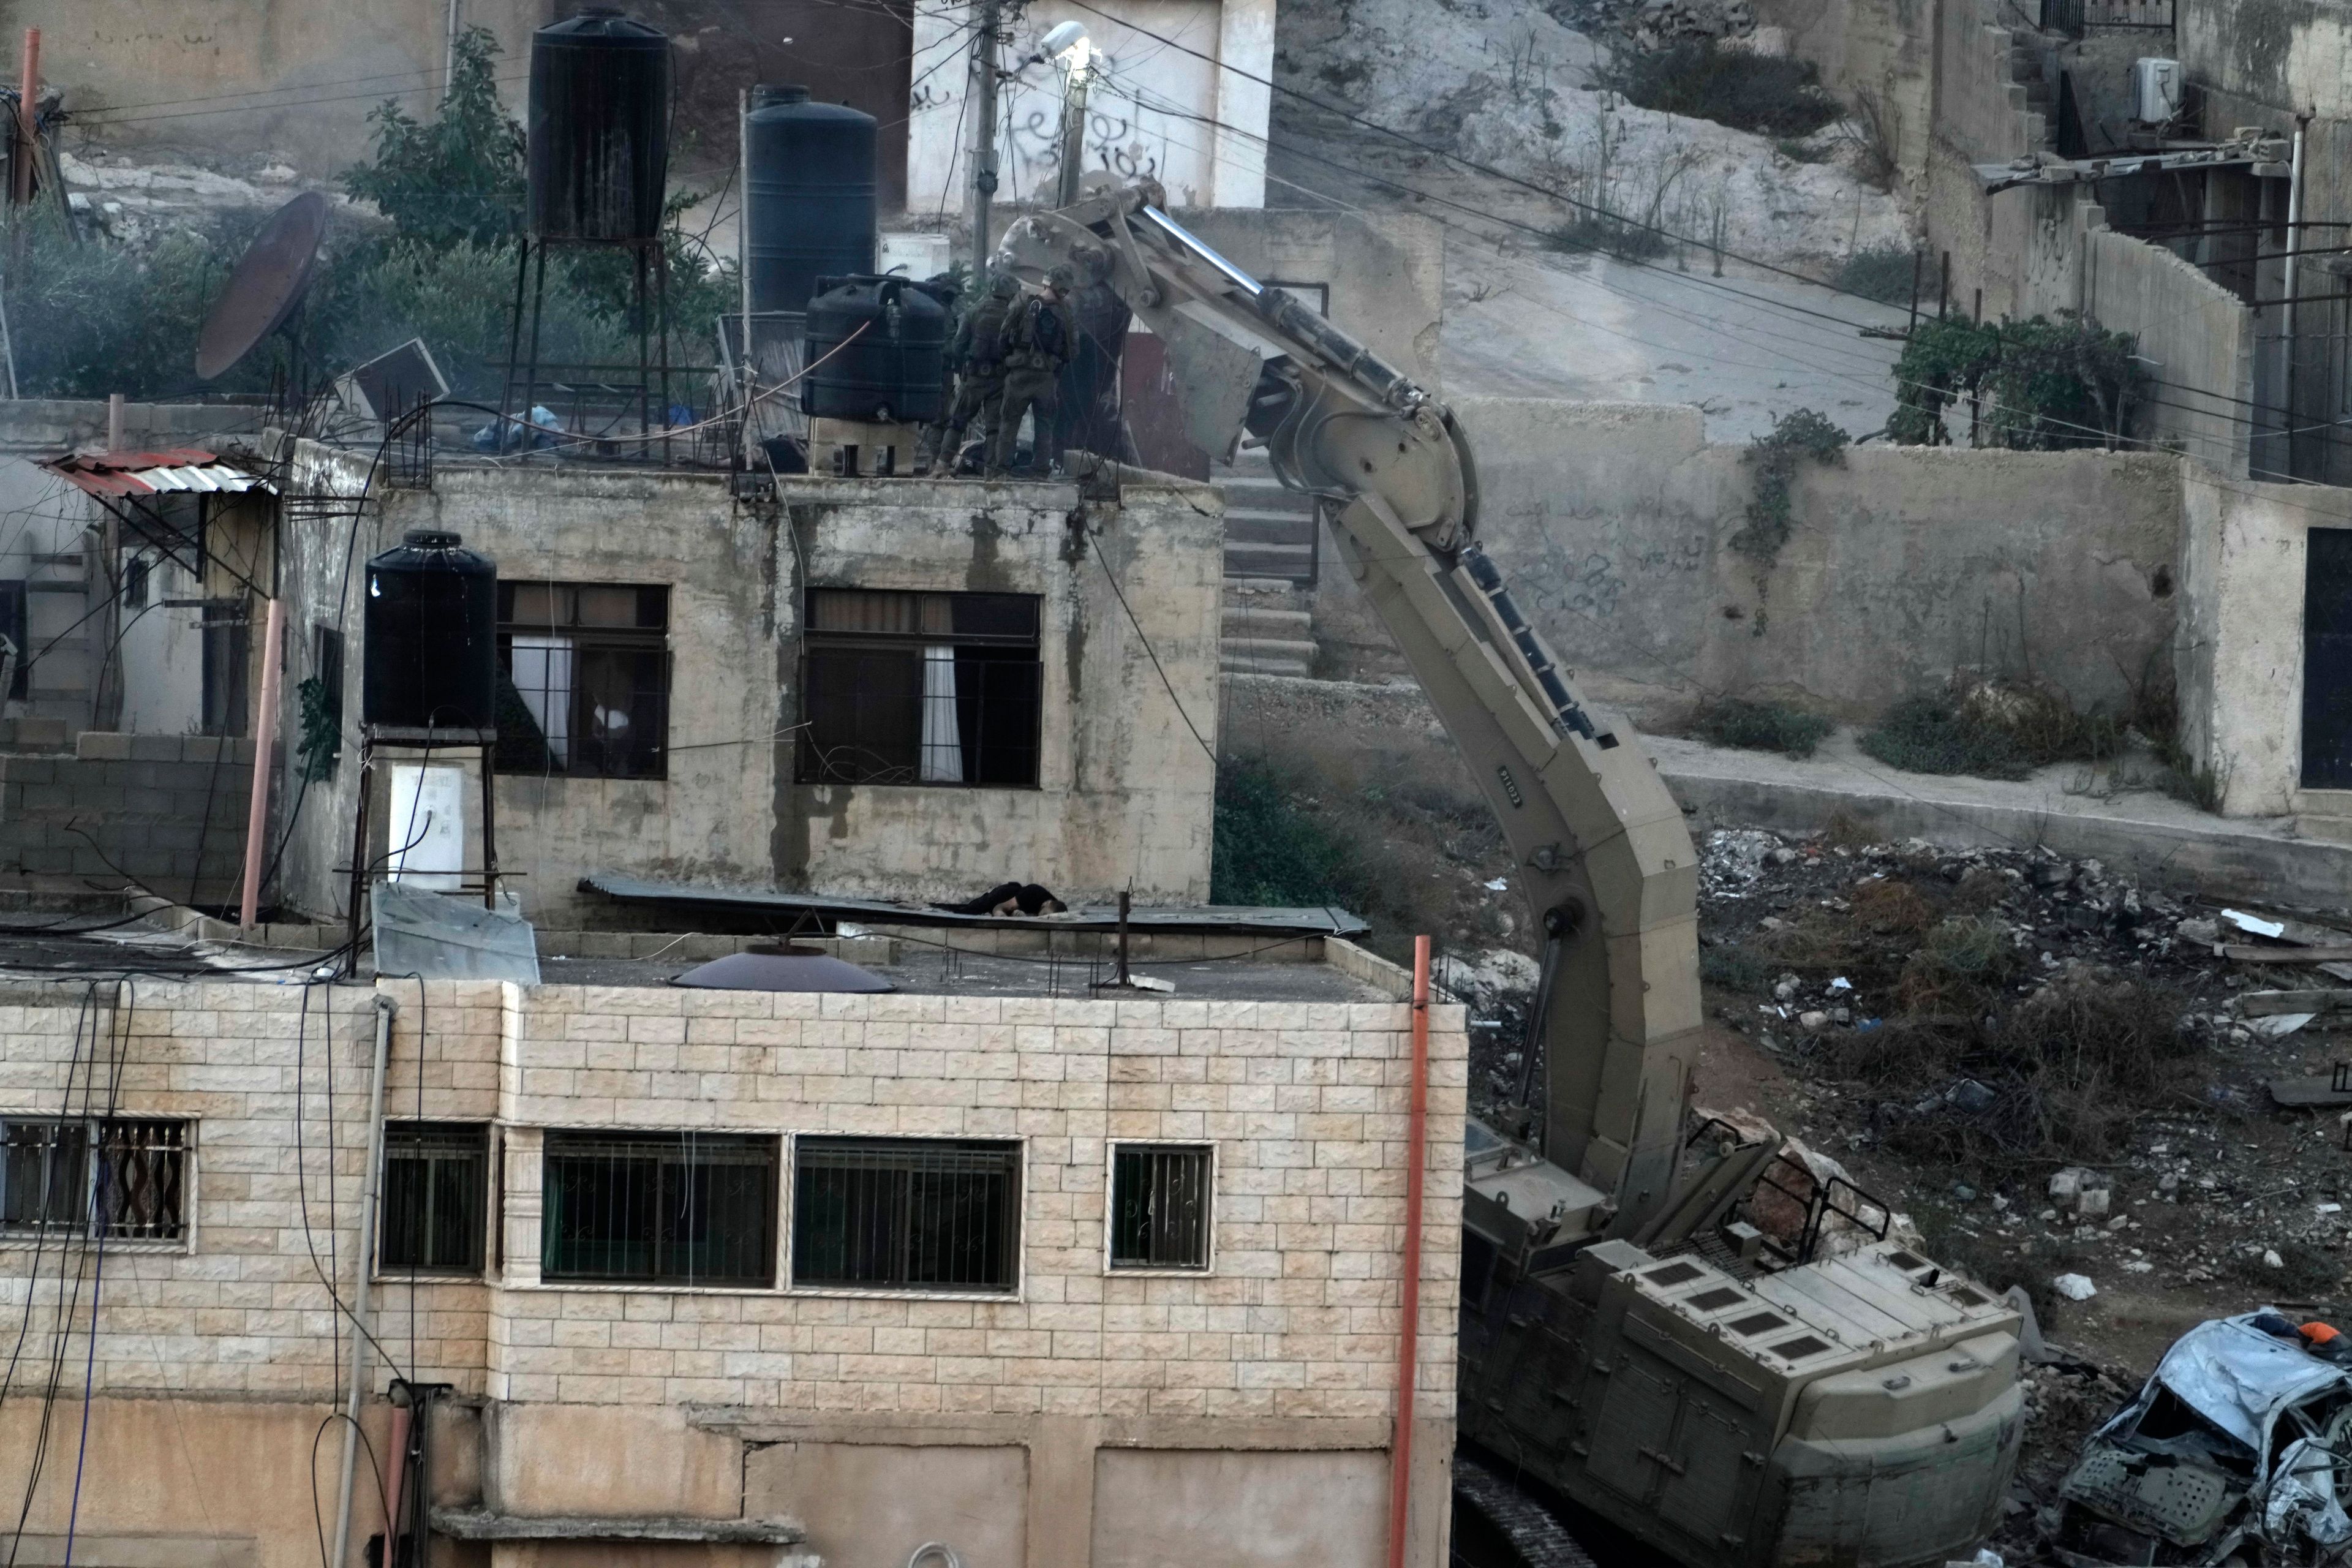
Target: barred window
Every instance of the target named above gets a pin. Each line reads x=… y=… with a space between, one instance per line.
x=1159 y=1198
x=907 y=1214
x=921 y=689
x=659 y=1208
x=583 y=680
x=117 y=1179
x=434 y=1173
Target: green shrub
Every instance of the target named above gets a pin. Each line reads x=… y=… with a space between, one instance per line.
x=1804 y=435
x=1266 y=848
x=458 y=302
x=1759 y=726
x=1609 y=235
x=1885 y=273
x=1929 y=734
x=91 y=319
x=2036 y=385
x=1770 y=96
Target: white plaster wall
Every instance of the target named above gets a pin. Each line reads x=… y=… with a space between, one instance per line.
x=1180 y=96
x=163 y=658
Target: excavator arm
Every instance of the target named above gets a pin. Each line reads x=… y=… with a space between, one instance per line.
x=1603 y=850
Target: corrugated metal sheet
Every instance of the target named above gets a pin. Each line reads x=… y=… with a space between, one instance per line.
x=153 y=473
x=1327 y=921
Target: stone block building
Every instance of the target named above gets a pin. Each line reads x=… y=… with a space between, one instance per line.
x=732 y=1277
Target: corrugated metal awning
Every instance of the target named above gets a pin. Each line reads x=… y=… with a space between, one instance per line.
x=178 y=469
x=1270 y=922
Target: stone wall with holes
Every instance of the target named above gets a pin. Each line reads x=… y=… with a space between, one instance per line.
x=989 y=1416
x=1128 y=594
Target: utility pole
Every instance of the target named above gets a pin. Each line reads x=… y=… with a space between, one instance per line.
x=984 y=42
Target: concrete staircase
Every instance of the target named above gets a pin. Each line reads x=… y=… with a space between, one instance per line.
x=1269 y=530
x=1270 y=569
x=1268 y=627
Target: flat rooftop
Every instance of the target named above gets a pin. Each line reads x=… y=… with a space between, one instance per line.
x=48 y=947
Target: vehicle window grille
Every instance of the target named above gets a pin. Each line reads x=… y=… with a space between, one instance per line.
x=1714 y=1300
x=1758 y=1323
x=1800 y=1348
x=659 y=1208
x=1159 y=1198
x=907 y=1214
x=1674 y=1274
x=434 y=1177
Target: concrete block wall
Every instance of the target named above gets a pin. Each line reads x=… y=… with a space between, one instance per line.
x=166 y=812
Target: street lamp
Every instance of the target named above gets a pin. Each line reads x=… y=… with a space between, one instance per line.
x=1068 y=45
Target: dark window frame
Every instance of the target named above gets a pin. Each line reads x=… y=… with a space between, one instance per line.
x=1163 y=1229
x=623 y=1217
x=916 y=1241
x=639 y=656
x=144 y=1178
x=453 y=1226
x=868 y=696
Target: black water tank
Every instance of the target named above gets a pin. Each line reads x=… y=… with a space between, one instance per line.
x=894 y=369
x=432 y=656
x=812 y=195
x=600 y=92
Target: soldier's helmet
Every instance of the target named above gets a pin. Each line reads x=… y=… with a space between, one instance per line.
x=1063 y=277
x=1004 y=286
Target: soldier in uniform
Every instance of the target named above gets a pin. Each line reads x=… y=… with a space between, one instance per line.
x=1039 y=337
x=976 y=354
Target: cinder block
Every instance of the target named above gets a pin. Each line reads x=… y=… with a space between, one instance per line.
x=50 y=734
x=155 y=748
x=102 y=745
x=31 y=770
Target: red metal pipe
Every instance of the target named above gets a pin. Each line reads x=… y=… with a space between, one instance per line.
x=1416 y=1161
x=401 y=1414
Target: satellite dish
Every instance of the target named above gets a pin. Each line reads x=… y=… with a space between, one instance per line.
x=268 y=283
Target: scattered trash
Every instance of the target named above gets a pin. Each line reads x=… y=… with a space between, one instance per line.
x=1841 y=983
x=2075 y=1286
x=2280 y=1024
x=1970 y=1097
x=1498 y=885
x=2271 y=1260
x=2253 y=925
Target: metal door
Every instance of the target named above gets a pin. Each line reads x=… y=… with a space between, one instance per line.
x=1712 y=1482
x=2327 y=659
x=1637 y=1421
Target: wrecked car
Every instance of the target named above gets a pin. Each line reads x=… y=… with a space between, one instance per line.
x=2233 y=1456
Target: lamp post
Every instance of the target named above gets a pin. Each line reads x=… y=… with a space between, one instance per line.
x=1067 y=43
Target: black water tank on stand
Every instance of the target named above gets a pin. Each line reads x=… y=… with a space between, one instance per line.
x=431 y=660
x=599 y=124
x=892 y=370
x=811 y=207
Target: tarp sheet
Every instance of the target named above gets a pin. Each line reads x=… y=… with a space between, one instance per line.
x=1328 y=921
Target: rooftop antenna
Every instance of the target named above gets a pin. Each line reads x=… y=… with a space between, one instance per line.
x=267 y=285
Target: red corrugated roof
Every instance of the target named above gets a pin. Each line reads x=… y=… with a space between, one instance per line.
x=132 y=473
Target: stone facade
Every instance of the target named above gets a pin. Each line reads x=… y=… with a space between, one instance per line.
x=1289 y=1344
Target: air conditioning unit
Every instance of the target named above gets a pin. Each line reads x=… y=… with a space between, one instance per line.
x=2156 y=91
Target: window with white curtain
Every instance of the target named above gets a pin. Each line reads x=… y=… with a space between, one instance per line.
x=905 y=688
x=584 y=687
